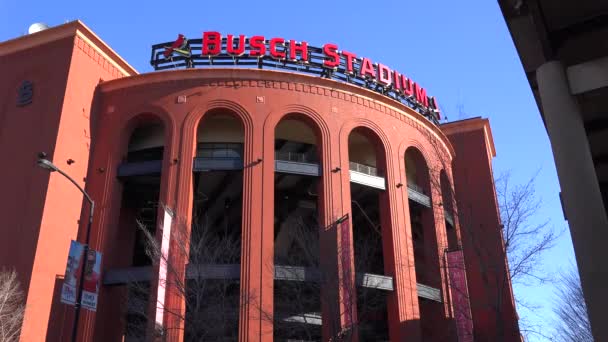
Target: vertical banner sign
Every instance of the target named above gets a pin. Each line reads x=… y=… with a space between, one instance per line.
x=460 y=296
x=345 y=260
x=92 y=273
x=162 y=270
x=70 y=280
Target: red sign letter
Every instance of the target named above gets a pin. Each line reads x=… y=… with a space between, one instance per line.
x=230 y=45
x=397 y=82
x=421 y=95
x=212 y=43
x=384 y=74
x=349 y=61
x=408 y=86
x=332 y=59
x=367 y=69
x=273 y=48
x=302 y=48
x=257 y=46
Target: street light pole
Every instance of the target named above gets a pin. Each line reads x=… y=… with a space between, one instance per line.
x=47 y=164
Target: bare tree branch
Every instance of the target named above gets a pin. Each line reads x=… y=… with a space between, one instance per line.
x=12 y=307
x=572 y=323
x=524 y=238
x=211 y=296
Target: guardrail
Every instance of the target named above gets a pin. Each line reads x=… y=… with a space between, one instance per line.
x=219 y=150
x=416 y=187
x=139 y=168
x=416 y=194
x=366 y=169
x=288 y=273
x=449 y=217
x=296 y=157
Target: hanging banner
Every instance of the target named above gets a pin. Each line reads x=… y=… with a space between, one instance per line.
x=92 y=274
x=343 y=226
x=70 y=280
x=460 y=296
x=162 y=270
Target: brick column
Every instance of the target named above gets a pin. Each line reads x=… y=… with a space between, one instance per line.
x=174 y=300
x=253 y=318
x=440 y=246
x=398 y=252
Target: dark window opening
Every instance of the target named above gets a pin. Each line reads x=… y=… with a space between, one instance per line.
x=141 y=200
x=216 y=218
x=154 y=153
x=212 y=310
x=372 y=315
x=136 y=319
x=297 y=301
x=214 y=245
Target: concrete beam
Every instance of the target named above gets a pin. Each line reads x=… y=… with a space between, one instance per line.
x=588 y=76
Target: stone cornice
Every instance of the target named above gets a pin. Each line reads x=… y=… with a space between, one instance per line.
x=232 y=77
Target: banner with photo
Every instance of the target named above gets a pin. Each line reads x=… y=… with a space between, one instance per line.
x=70 y=280
x=343 y=226
x=92 y=275
x=460 y=295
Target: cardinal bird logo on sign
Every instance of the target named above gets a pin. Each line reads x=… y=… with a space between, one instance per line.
x=180 y=46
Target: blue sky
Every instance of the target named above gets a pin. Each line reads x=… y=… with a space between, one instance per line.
x=461 y=51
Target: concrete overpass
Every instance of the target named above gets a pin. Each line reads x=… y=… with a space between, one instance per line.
x=563 y=46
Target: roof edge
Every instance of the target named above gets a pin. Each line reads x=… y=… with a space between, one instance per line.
x=472 y=124
x=73 y=28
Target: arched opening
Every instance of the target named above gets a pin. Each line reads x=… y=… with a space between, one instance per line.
x=214 y=244
x=428 y=274
x=369 y=198
x=297 y=291
x=447 y=198
x=140 y=174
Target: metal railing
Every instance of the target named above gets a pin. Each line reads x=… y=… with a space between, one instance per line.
x=416 y=187
x=220 y=150
x=449 y=216
x=365 y=169
x=296 y=157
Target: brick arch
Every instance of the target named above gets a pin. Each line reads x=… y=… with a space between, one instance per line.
x=138 y=115
x=267 y=133
x=321 y=129
x=409 y=143
x=311 y=117
x=188 y=142
x=187 y=149
x=146 y=114
x=235 y=109
x=374 y=131
x=126 y=124
x=392 y=238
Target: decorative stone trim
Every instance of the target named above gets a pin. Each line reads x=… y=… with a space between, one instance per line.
x=97 y=57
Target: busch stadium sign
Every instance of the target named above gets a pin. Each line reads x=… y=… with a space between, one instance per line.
x=214 y=50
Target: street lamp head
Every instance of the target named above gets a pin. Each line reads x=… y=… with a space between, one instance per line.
x=47 y=164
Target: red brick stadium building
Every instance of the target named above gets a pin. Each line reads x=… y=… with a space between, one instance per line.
x=265 y=156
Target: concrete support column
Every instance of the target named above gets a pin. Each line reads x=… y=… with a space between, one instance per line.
x=174 y=301
x=436 y=242
x=255 y=318
x=330 y=211
x=580 y=189
x=398 y=253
